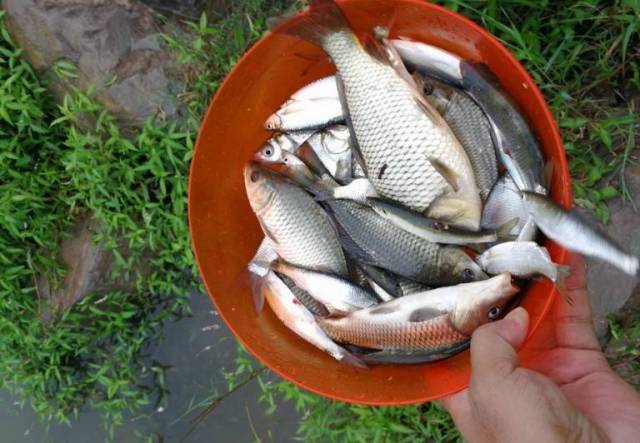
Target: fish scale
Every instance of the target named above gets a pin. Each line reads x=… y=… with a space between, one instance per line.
x=385 y=244
x=471 y=128
x=396 y=137
x=302 y=232
x=426 y=335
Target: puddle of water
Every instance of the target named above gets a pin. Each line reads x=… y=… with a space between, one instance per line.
x=197 y=348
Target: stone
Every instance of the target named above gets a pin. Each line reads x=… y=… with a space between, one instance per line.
x=115 y=45
x=86 y=267
x=610 y=288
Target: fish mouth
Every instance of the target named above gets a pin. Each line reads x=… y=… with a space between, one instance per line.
x=274 y=122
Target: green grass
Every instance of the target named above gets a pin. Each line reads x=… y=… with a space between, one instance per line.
x=52 y=172
x=583 y=55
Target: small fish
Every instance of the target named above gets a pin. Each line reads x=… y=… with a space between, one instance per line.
x=337 y=294
x=410 y=153
x=371 y=239
x=333 y=148
x=504 y=210
x=324 y=88
x=427 y=321
x=298 y=319
x=300 y=229
x=431 y=230
x=306 y=114
x=430 y=60
x=570 y=231
x=515 y=142
x=522 y=259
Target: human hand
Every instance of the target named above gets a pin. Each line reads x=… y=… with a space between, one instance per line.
x=571 y=395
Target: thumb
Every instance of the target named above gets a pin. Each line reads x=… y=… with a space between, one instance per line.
x=494 y=345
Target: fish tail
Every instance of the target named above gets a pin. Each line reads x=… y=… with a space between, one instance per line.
x=257 y=283
x=353 y=360
x=323 y=18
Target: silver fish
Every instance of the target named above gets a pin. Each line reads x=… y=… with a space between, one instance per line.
x=515 y=142
x=431 y=230
x=504 y=210
x=324 y=88
x=427 y=321
x=332 y=146
x=569 y=230
x=371 y=239
x=302 y=322
x=522 y=259
x=337 y=294
x=471 y=128
x=301 y=230
x=305 y=114
x=410 y=153
x=430 y=60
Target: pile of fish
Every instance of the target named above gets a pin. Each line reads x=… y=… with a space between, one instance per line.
x=400 y=199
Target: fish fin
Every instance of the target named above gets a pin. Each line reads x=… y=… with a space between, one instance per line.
x=257 y=285
x=424 y=314
x=427 y=107
x=349 y=358
x=355 y=146
x=384 y=52
x=504 y=230
x=385 y=280
x=323 y=18
x=446 y=172
x=335 y=313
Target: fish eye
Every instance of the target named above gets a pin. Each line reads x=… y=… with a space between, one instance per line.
x=467 y=274
x=493 y=312
x=255 y=176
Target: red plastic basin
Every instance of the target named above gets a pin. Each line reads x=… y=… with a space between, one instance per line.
x=225 y=233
